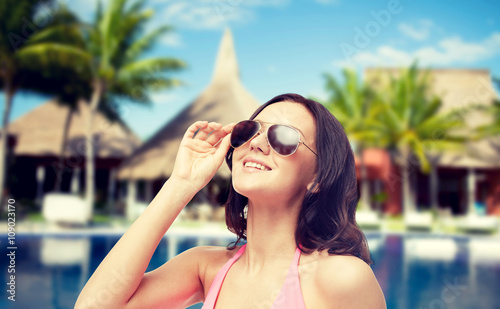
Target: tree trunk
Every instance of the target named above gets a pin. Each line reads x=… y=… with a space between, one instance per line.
x=90 y=167
x=9 y=93
x=60 y=167
x=365 y=189
x=471 y=191
x=408 y=203
x=433 y=187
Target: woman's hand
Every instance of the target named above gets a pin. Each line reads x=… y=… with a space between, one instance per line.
x=199 y=158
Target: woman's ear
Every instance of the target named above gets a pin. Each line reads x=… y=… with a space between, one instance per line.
x=315 y=189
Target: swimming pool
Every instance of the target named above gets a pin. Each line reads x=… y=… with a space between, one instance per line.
x=414 y=270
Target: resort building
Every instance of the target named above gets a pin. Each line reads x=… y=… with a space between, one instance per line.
x=467 y=182
x=35 y=152
x=129 y=173
x=224 y=100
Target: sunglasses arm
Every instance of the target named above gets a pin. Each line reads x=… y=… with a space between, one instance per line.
x=308 y=148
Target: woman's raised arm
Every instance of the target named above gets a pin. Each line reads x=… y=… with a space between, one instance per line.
x=119 y=281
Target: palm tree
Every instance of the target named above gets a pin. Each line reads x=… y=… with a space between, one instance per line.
x=113 y=54
x=354 y=105
x=416 y=130
x=71 y=83
x=116 y=45
x=492 y=128
x=111 y=61
x=22 y=61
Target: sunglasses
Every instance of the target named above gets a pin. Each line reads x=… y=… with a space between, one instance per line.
x=283 y=139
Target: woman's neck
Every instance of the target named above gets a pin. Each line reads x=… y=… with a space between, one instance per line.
x=270 y=232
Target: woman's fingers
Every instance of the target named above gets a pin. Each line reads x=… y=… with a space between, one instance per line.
x=222 y=149
x=211 y=132
x=191 y=131
x=204 y=132
x=215 y=137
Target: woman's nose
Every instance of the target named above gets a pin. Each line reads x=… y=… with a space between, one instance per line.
x=259 y=142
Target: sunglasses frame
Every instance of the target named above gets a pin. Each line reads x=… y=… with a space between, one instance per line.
x=267 y=138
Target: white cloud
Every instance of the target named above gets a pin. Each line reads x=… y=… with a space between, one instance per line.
x=419 y=32
x=171 y=39
x=449 y=51
x=211 y=14
x=192 y=14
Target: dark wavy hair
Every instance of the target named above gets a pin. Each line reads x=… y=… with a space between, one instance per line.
x=327 y=218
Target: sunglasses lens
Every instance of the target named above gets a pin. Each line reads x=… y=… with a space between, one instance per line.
x=243 y=131
x=283 y=139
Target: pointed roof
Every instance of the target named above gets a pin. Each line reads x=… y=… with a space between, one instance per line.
x=226 y=65
x=40 y=132
x=459 y=88
x=224 y=100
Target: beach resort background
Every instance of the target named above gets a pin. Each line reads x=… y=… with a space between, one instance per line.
x=414 y=84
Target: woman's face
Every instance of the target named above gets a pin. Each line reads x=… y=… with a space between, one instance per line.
x=284 y=177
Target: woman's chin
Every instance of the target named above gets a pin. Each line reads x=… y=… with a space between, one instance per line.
x=251 y=191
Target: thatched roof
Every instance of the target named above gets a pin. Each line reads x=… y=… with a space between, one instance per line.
x=40 y=133
x=225 y=100
x=461 y=88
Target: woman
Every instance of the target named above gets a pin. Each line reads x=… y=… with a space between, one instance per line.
x=293 y=198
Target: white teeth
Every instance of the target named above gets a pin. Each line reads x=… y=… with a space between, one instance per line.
x=256 y=165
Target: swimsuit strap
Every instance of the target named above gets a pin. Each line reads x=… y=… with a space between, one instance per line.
x=296 y=258
x=290 y=295
x=213 y=293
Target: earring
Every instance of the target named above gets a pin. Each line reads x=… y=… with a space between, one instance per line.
x=245 y=212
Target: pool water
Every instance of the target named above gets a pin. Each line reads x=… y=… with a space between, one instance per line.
x=415 y=271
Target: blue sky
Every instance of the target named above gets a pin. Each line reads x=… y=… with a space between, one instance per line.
x=286 y=46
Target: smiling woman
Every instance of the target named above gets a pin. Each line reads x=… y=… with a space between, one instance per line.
x=293 y=205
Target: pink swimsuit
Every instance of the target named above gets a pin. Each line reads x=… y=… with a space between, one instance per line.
x=290 y=296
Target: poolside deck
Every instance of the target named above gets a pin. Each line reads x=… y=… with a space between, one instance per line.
x=210 y=229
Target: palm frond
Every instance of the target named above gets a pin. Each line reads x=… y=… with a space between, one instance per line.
x=144 y=43
x=62 y=34
x=52 y=54
x=150 y=67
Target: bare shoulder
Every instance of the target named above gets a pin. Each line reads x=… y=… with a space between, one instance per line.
x=211 y=254
x=210 y=260
x=345 y=281
x=193 y=271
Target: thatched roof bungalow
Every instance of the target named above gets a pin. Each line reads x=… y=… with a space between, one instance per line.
x=224 y=100
x=464 y=179
x=37 y=153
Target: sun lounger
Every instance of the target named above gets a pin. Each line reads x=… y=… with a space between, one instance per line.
x=418 y=220
x=66 y=208
x=477 y=223
x=368 y=219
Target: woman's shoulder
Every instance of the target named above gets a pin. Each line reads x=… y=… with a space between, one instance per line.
x=211 y=259
x=342 y=267
x=343 y=278
x=208 y=257
x=213 y=254
x=328 y=267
